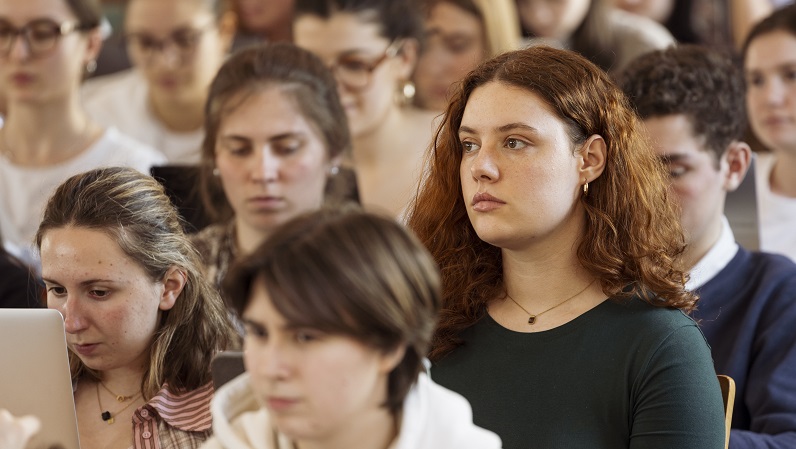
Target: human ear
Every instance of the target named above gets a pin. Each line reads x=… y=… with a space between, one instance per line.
x=407 y=56
x=94 y=45
x=736 y=158
x=592 y=156
x=173 y=282
x=391 y=358
x=227 y=26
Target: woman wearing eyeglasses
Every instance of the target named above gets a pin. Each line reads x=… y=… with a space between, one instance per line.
x=176 y=48
x=46 y=46
x=372 y=46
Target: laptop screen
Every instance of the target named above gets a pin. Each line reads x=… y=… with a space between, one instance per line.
x=34 y=374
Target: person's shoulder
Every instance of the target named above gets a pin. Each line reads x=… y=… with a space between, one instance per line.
x=640 y=27
x=435 y=416
x=760 y=267
x=210 y=236
x=635 y=35
x=646 y=317
x=125 y=150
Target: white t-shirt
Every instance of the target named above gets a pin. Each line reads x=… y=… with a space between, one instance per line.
x=120 y=100
x=777 y=212
x=24 y=191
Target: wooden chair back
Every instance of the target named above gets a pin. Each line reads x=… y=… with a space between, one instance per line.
x=728 y=395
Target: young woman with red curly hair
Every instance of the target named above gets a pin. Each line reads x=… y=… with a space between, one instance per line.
x=548 y=214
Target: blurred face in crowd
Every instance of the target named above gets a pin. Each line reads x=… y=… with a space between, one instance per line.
x=368 y=66
x=178 y=45
x=455 y=44
x=259 y=16
x=553 y=19
x=314 y=384
x=770 y=70
x=43 y=54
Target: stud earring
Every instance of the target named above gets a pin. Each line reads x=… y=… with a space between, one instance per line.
x=91 y=66
x=216 y=173
x=334 y=170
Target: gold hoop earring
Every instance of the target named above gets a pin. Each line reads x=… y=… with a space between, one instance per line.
x=586 y=189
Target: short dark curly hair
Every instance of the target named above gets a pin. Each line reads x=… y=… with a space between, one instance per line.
x=705 y=85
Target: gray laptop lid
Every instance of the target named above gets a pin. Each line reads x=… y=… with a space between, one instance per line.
x=34 y=374
x=741 y=211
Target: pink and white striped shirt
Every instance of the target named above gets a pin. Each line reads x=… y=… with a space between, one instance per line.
x=170 y=420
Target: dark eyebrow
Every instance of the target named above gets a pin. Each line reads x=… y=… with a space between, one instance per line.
x=83 y=283
x=669 y=158
x=517 y=125
x=253 y=324
x=287 y=135
x=504 y=128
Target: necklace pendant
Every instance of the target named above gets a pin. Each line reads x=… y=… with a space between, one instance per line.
x=532 y=319
x=121 y=398
x=110 y=421
x=106 y=416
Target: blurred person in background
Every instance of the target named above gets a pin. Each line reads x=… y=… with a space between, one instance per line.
x=176 y=47
x=769 y=60
x=263 y=21
x=372 y=47
x=719 y=24
x=607 y=36
x=460 y=34
x=46 y=48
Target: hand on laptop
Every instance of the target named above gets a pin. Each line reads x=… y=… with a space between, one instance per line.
x=16 y=432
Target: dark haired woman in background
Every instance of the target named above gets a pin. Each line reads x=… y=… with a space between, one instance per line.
x=46 y=46
x=371 y=47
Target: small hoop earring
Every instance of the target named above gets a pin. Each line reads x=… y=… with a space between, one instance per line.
x=91 y=66
x=216 y=173
x=586 y=189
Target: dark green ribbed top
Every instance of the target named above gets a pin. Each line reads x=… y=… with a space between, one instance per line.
x=622 y=375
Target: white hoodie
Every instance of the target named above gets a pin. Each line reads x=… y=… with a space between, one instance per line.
x=433 y=418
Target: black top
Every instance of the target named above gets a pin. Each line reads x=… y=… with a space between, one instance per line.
x=18 y=285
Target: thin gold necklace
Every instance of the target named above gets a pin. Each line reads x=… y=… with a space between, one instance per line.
x=119 y=397
x=106 y=415
x=532 y=317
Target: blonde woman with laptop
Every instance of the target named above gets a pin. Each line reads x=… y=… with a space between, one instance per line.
x=141 y=323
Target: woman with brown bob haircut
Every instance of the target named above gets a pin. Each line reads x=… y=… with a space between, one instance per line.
x=548 y=214
x=339 y=307
x=142 y=324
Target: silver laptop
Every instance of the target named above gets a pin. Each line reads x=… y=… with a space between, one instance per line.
x=34 y=374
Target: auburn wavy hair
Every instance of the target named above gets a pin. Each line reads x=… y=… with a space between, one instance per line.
x=632 y=234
